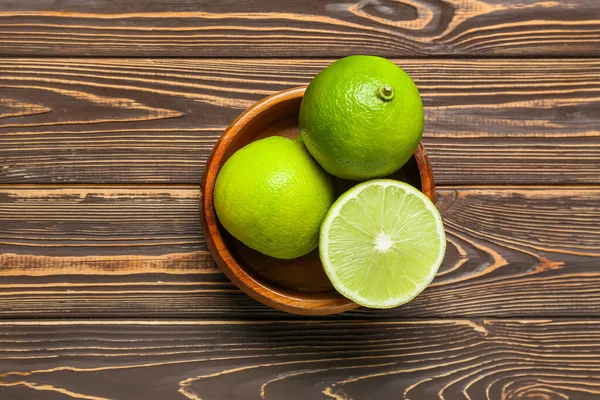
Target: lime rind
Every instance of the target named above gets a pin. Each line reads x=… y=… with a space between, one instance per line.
x=353 y=242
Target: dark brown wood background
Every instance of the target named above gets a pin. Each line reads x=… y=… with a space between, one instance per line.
x=108 y=111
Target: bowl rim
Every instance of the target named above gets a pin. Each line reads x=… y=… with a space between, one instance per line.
x=233 y=270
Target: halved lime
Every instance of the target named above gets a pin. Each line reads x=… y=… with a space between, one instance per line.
x=382 y=243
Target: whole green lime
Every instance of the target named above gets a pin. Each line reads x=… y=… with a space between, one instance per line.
x=362 y=117
x=273 y=196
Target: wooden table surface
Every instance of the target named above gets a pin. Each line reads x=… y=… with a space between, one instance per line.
x=108 y=111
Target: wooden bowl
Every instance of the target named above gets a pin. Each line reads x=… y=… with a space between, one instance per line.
x=300 y=285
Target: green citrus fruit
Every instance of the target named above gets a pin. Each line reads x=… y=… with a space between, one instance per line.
x=382 y=243
x=361 y=117
x=272 y=196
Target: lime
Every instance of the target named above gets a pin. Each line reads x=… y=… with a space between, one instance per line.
x=361 y=117
x=272 y=196
x=382 y=243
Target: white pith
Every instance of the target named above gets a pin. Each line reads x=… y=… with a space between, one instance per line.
x=383 y=242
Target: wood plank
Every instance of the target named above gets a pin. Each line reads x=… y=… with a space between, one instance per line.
x=258 y=28
x=154 y=121
x=198 y=359
x=120 y=251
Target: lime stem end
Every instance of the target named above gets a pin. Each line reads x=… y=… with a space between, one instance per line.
x=385 y=92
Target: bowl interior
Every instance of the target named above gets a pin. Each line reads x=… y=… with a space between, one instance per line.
x=302 y=279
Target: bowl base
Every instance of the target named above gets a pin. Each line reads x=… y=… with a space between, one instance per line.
x=303 y=274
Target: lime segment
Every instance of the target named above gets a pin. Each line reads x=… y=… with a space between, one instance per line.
x=382 y=243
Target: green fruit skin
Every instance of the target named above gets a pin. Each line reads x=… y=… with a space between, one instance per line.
x=349 y=130
x=273 y=196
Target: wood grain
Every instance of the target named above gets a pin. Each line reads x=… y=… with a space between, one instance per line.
x=154 y=121
x=122 y=251
x=258 y=28
x=246 y=360
x=108 y=291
